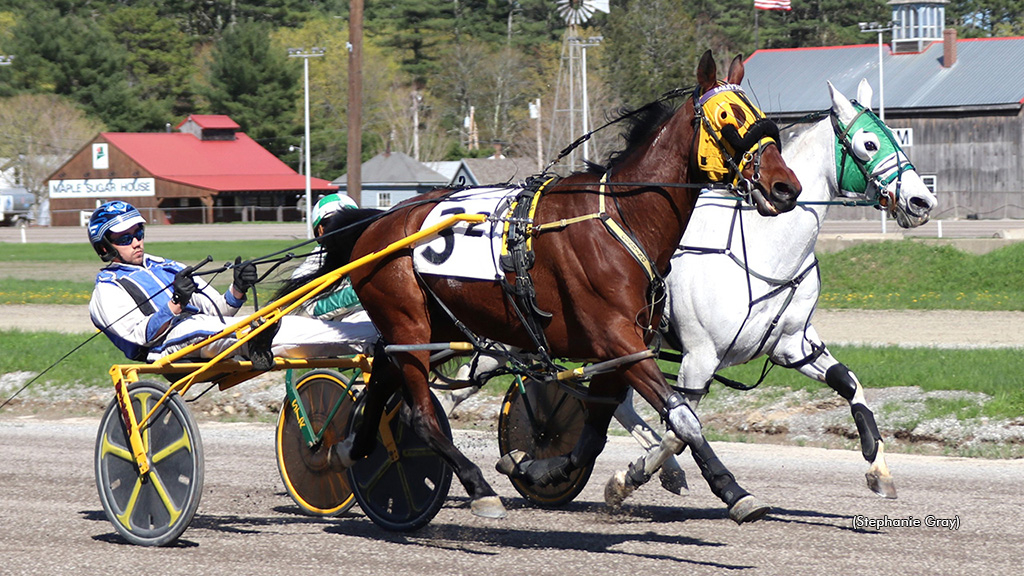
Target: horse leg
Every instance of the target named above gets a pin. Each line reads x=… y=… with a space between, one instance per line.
x=684 y=424
x=659 y=455
x=542 y=472
x=845 y=383
x=384 y=380
x=484 y=501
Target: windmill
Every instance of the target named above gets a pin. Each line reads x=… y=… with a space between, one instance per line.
x=571 y=116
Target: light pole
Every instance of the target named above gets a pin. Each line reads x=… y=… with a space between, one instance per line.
x=880 y=29
x=306 y=55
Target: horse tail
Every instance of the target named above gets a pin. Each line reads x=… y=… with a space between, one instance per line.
x=341 y=231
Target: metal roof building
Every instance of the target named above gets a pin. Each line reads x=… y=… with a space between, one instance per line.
x=957 y=106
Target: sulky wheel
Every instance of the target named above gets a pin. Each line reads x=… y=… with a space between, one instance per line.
x=155 y=509
x=403 y=483
x=543 y=421
x=319 y=488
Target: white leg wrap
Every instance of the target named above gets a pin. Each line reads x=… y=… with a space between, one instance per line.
x=343 y=451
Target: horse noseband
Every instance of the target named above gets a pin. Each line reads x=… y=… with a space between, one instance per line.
x=761 y=128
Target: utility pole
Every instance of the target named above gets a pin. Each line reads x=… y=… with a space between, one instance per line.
x=355 y=100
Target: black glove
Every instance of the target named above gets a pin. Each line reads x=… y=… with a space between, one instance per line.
x=184 y=287
x=245 y=275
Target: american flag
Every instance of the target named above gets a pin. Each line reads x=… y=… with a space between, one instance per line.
x=772 y=4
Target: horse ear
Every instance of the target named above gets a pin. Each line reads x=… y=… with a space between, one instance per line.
x=736 y=70
x=864 y=93
x=707 y=72
x=841 y=105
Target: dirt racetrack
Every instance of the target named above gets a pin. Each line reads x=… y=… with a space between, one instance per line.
x=944 y=328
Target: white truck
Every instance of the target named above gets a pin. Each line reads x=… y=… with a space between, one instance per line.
x=15 y=206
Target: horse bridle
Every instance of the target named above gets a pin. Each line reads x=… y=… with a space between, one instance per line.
x=747 y=148
x=885 y=199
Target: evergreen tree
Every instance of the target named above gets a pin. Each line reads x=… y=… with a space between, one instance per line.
x=417 y=29
x=77 y=57
x=254 y=83
x=649 y=48
x=159 y=63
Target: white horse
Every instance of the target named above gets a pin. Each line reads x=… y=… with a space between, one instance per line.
x=743 y=286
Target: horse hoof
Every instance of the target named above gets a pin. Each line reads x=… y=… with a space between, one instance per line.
x=748 y=509
x=673 y=480
x=339 y=455
x=616 y=490
x=509 y=463
x=884 y=486
x=488 y=507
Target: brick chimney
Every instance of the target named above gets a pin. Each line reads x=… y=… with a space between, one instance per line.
x=948 y=47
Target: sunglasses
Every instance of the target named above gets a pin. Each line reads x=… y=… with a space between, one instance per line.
x=127 y=238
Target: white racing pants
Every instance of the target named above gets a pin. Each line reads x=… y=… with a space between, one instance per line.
x=297 y=337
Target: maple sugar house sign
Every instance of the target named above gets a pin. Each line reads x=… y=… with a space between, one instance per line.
x=97 y=187
x=102 y=187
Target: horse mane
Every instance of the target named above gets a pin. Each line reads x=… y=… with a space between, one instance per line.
x=341 y=230
x=640 y=125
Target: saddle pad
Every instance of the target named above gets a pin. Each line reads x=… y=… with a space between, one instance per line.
x=468 y=251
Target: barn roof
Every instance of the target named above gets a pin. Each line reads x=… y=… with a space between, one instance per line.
x=792 y=81
x=224 y=165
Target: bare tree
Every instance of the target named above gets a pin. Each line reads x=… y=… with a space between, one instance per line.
x=41 y=133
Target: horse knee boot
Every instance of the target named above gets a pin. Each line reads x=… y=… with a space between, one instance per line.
x=840 y=379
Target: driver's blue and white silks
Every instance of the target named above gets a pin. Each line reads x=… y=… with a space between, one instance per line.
x=147 y=332
x=468 y=251
x=140 y=334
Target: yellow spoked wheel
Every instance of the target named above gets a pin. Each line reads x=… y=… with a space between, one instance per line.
x=543 y=421
x=154 y=509
x=317 y=486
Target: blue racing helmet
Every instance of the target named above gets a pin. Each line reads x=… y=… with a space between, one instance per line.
x=113 y=217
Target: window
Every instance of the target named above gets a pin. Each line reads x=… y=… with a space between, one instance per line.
x=930 y=181
x=383 y=199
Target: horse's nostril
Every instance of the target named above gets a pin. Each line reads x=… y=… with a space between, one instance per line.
x=920 y=205
x=784 y=191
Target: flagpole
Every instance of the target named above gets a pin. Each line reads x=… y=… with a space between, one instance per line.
x=756 y=41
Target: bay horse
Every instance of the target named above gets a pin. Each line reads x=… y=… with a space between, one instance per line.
x=742 y=286
x=598 y=299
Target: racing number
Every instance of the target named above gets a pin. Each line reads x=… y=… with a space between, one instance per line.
x=448 y=234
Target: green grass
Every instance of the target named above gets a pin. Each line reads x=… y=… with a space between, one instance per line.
x=912 y=275
x=187 y=252
x=999 y=373
x=59 y=291
x=896 y=275
x=36 y=351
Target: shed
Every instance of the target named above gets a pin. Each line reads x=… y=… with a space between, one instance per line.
x=391 y=177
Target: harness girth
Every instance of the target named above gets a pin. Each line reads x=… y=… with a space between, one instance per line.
x=517 y=257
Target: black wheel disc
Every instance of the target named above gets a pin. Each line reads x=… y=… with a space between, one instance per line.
x=402 y=490
x=543 y=421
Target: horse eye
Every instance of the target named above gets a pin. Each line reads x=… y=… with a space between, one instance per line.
x=864 y=144
x=724 y=115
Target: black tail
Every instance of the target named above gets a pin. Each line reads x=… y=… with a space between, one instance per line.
x=341 y=230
